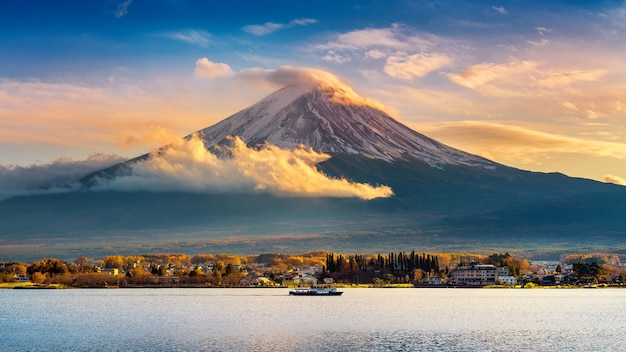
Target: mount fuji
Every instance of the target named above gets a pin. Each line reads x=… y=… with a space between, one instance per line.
x=441 y=197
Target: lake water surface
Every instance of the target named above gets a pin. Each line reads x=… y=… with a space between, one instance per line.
x=271 y=320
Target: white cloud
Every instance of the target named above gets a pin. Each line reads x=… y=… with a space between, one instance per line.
x=500 y=9
x=375 y=54
x=415 y=66
x=331 y=56
x=54 y=177
x=122 y=8
x=263 y=29
x=187 y=165
x=542 y=42
x=270 y=27
x=543 y=30
x=305 y=77
x=207 y=68
x=393 y=38
x=304 y=21
x=191 y=36
x=614 y=179
x=407 y=53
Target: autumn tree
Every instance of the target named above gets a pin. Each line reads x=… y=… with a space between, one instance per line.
x=51 y=266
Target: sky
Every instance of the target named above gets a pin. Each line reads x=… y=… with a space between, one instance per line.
x=537 y=85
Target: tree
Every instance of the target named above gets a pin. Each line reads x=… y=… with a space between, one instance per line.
x=51 y=266
x=82 y=261
x=38 y=277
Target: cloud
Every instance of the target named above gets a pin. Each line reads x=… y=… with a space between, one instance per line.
x=407 y=53
x=519 y=78
x=187 y=165
x=191 y=36
x=122 y=8
x=570 y=105
x=48 y=178
x=542 y=42
x=500 y=10
x=488 y=77
x=543 y=30
x=394 y=38
x=207 y=68
x=375 y=54
x=263 y=29
x=614 y=179
x=270 y=27
x=566 y=78
x=331 y=56
x=304 y=21
x=304 y=77
x=508 y=142
x=415 y=66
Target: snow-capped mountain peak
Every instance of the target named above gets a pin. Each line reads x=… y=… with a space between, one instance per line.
x=333 y=120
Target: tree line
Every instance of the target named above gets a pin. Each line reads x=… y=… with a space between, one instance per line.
x=382 y=269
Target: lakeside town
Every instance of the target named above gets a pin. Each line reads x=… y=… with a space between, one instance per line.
x=402 y=269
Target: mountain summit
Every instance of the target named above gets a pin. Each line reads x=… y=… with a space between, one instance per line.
x=336 y=121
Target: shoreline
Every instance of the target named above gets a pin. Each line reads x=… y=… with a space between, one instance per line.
x=33 y=286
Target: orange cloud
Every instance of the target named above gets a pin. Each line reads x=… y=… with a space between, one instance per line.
x=186 y=165
x=207 y=68
x=614 y=179
x=508 y=141
x=520 y=78
x=415 y=66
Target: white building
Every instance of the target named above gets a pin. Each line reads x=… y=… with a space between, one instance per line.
x=477 y=274
x=507 y=280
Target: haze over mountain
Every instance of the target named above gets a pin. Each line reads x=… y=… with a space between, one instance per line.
x=316 y=158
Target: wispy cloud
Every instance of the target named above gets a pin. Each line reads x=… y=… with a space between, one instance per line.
x=519 y=78
x=122 y=8
x=500 y=10
x=270 y=27
x=186 y=165
x=508 y=142
x=197 y=37
x=415 y=66
x=391 y=39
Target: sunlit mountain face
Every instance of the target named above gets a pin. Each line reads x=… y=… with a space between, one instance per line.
x=317 y=158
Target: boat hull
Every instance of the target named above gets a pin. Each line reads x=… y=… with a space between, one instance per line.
x=315 y=292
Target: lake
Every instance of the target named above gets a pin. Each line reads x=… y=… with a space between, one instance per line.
x=271 y=320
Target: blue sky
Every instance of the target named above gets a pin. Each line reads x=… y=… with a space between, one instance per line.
x=533 y=84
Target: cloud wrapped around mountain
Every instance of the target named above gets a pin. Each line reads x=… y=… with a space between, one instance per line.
x=49 y=178
x=187 y=165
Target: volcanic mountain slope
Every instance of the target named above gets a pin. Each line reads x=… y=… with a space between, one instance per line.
x=435 y=187
x=336 y=121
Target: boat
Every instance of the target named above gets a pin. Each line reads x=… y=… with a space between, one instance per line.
x=315 y=291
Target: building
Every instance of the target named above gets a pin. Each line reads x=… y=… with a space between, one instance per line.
x=507 y=280
x=477 y=274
